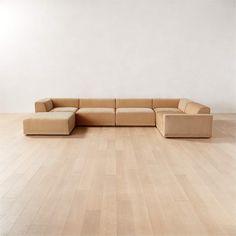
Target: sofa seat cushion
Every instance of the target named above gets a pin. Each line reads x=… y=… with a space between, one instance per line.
x=96 y=116
x=135 y=117
x=49 y=123
x=64 y=109
x=160 y=112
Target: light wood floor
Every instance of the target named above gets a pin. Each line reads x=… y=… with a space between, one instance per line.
x=117 y=181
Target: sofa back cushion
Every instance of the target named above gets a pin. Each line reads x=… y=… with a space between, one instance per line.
x=168 y=103
x=97 y=102
x=65 y=102
x=183 y=104
x=196 y=108
x=133 y=102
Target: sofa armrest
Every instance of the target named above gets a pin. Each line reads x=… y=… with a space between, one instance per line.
x=43 y=105
x=187 y=125
x=196 y=108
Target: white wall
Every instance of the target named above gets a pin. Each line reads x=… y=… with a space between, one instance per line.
x=117 y=48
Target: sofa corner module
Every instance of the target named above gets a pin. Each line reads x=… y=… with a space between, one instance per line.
x=187 y=125
x=43 y=105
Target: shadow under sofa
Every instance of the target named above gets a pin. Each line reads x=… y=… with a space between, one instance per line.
x=172 y=117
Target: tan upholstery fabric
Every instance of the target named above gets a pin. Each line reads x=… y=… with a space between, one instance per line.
x=183 y=103
x=64 y=109
x=185 y=125
x=135 y=117
x=172 y=102
x=96 y=116
x=97 y=103
x=49 y=123
x=43 y=105
x=196 y=108
x=133 y=102
x=65 y=102
x=168 y=110
x=173 y=117
x=160 y=112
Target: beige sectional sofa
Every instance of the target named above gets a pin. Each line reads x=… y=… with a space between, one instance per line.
x=172 y=117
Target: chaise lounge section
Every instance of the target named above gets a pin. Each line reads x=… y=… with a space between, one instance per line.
x=47 y=123
x=173 y=117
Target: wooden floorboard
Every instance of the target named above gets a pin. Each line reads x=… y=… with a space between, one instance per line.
x=117 y=181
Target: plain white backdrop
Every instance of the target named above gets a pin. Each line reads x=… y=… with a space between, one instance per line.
x=117 y=48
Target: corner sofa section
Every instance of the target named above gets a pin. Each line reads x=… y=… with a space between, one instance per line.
x=182 y=118
x=172 y=117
